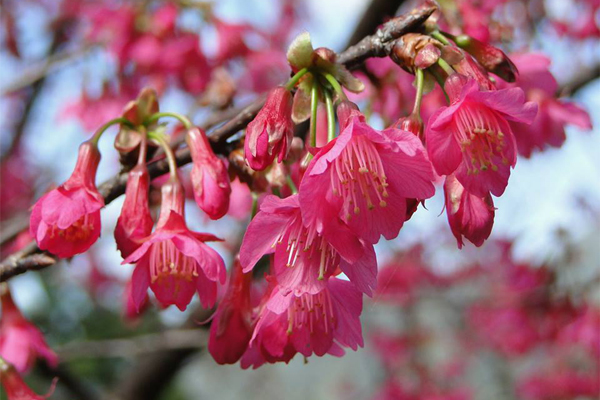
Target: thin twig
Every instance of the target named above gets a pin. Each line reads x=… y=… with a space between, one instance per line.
x=139 y=345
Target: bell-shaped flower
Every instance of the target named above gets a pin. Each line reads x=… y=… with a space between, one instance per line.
x=322 y=323
x=365 y=176
x=209 y=176
x=305 y=258
x=21 y=342
x=66 y=220
x=470 y=216
x=231 y=327
x=472 y=138
x=135 y=222
x=174 y=261
x=270 y=133
x=540 y=86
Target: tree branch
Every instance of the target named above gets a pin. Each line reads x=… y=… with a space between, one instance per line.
x=377 y=45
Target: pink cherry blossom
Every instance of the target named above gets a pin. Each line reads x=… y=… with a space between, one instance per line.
x=21 y=342
x=548 y=128
x=231 y=327
x=270 y=133
x=365 y=176
x=472 y=138
x=209 y=176
x=174 y=261
x=470 y=216
x=303 y=257
x=322 y=323
x=66 y=221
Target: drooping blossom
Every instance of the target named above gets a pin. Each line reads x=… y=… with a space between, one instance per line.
x=470 y=216
x=66 y=221
x=15 y=387
x=366 y=177
x=322 y=323
x=231 y=327
x=135 y=222
x=305 y=258
x=472 y=138
x=21 y=342
x=209 y=176
x=270 y=134
x=174 y=261
x=548 y=127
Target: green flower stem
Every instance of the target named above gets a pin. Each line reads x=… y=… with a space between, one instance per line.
x=420 y=83
x=438 y=35
x=143 y=147
x=254 y=203
x=440 y=82
x=330 y=116
x=162 y=141
x=294 y=79
x=107 y=125
x=445 y=66
x=182 y=118
x=314 y=105
x=336 y=85
x=291 y=184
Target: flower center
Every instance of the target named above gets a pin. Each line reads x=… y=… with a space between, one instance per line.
x=303 y=240
x=358 y=171
x=480 y=136
x=310 y=310
x=80 y=230
x=167 y=261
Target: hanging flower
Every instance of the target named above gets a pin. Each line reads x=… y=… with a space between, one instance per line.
x=366 y=176
x=472 y=138
x=174 y=261
x=66 y=221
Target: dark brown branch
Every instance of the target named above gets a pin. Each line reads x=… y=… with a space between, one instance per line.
x=376 y=13
x=377 y=45
x=380 y=44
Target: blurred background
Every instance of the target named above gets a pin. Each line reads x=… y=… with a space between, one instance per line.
x=515 y=319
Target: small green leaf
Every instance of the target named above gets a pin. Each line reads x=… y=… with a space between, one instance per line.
x=300 y=51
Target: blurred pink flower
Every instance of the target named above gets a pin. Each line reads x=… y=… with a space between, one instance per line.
x=21 y=342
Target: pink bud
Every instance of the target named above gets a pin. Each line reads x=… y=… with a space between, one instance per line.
x=135 y=221
x=427 y=56
x=469 y=215
x=270 y=133
x=231 y=328
x=66 y=221
x=209 y=176
x=492 y=58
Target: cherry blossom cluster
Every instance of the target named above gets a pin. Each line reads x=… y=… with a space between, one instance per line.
x=457 y=113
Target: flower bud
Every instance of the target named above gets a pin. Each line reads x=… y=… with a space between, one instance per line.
x=492 y=58
x=469 y=216
x=269 y=135
x=135 y=221
x=209 y=176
